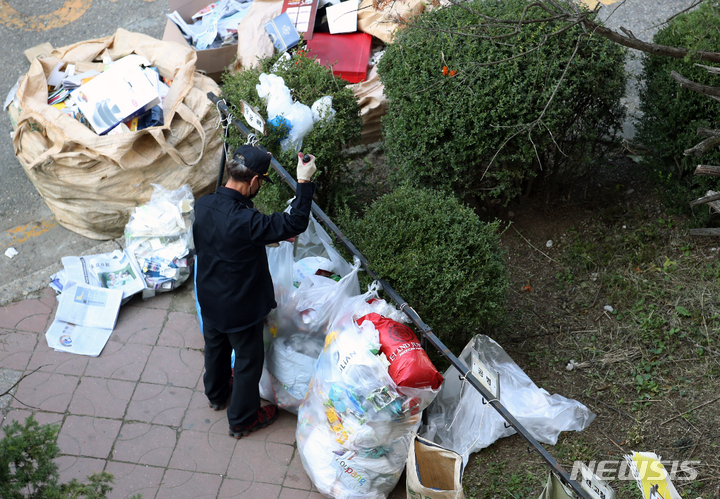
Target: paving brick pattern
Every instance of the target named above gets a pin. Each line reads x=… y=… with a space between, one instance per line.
x=138 y=410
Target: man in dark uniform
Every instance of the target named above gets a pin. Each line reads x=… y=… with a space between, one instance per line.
x=233 y=282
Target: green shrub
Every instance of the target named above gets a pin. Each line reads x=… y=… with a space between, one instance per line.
x=308 y=81
x=443 y=130
x=27 y=469
x=435 y=252
x=672 y=114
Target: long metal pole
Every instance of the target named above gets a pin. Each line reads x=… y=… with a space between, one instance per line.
x=415 y=318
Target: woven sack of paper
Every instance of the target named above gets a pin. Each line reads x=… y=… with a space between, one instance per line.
x=92 y=183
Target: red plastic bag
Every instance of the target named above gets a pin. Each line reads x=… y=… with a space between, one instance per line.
x=409 y=364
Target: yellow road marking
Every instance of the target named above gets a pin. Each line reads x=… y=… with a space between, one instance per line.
x=22 y=233
x=593 y=3
x=71 y=11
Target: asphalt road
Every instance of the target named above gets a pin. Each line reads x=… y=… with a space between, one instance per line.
x=25 y=221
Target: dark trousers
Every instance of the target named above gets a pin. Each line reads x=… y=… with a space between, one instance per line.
x=249 y=356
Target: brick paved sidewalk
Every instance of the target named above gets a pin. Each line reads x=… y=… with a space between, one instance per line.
x=139 y=411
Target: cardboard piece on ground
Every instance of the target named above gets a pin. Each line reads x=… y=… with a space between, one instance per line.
x=433 y=472
x=373 y=105
x=380 y=21
x=302 y=15
x=212 y=61
x=555 y=489
x=342 y=17
x=39 y=51
x=253 y=41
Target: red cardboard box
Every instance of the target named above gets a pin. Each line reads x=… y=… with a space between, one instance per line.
x=348 y=52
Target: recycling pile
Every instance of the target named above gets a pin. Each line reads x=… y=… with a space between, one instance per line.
x=370 y=386
x=159 y=236
x=311 y=279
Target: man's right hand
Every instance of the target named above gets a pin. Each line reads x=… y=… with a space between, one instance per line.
x=305 y=170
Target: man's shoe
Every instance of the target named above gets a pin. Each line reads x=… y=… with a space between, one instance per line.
x=221 y=406
x=266 y=416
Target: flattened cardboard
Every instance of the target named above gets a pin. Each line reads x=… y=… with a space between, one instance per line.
x=211 y=61
x=302 y=14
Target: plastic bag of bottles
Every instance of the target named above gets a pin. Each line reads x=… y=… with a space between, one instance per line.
x=355 y=424
x=296 y=328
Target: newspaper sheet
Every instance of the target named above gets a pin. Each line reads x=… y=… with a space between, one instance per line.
x=85 y=318
x=66 y=337
x=116 y=270
x=89 y=306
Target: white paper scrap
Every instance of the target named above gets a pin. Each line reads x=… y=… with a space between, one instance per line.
x=342 y=17
x=11 y=252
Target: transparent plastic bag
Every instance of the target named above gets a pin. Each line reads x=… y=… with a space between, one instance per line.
x=159 y=236
x=458 y=419
x=355 y=425
x=318 y=299
x=301 y=317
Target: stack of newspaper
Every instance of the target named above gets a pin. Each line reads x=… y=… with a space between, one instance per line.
x=91 y=288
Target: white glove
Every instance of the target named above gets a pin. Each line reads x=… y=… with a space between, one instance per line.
x=305 y=170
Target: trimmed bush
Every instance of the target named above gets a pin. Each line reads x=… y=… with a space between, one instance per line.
x=448 y=115
x=27 y=469
x=308 y=81
x=439 y=256
x=672 y=114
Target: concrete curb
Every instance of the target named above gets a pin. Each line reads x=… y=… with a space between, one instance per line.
x=30 y=286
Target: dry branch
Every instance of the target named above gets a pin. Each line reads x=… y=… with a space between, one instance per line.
x=705 y=199
x=691 y=410
x=650 y=48
x=703 y=147
x=712 y=171
x=705 y=232
x=712 y=92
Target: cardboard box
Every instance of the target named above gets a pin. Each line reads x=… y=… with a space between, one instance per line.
x=282 y=32
x=348 y=54
x=212 y=61
x=114 y=96
x=302 y=14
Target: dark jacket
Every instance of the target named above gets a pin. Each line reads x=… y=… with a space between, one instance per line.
x=234 y=287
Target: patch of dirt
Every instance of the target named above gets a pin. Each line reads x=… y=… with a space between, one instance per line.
x=643 y=365
x=615 y=247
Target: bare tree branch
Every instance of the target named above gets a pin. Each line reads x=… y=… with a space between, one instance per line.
x=7 y=392
x=705 y=199
x=650 y=48
x=712 y=171
x=712 y=92
x=529 y=126
x=705 y=145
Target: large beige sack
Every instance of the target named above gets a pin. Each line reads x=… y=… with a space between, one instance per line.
x=379 y=17
x=92 y=183
x=253 y=41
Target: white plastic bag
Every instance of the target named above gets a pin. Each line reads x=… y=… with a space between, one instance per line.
x=318 y=299
x=322 y=109
x=159 y=236
x=299 y=322
x=355 y=425
x=273 y=91
x=459 y=420
x=300 y=117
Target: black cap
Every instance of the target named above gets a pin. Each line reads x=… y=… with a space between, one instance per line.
x=254 y=159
